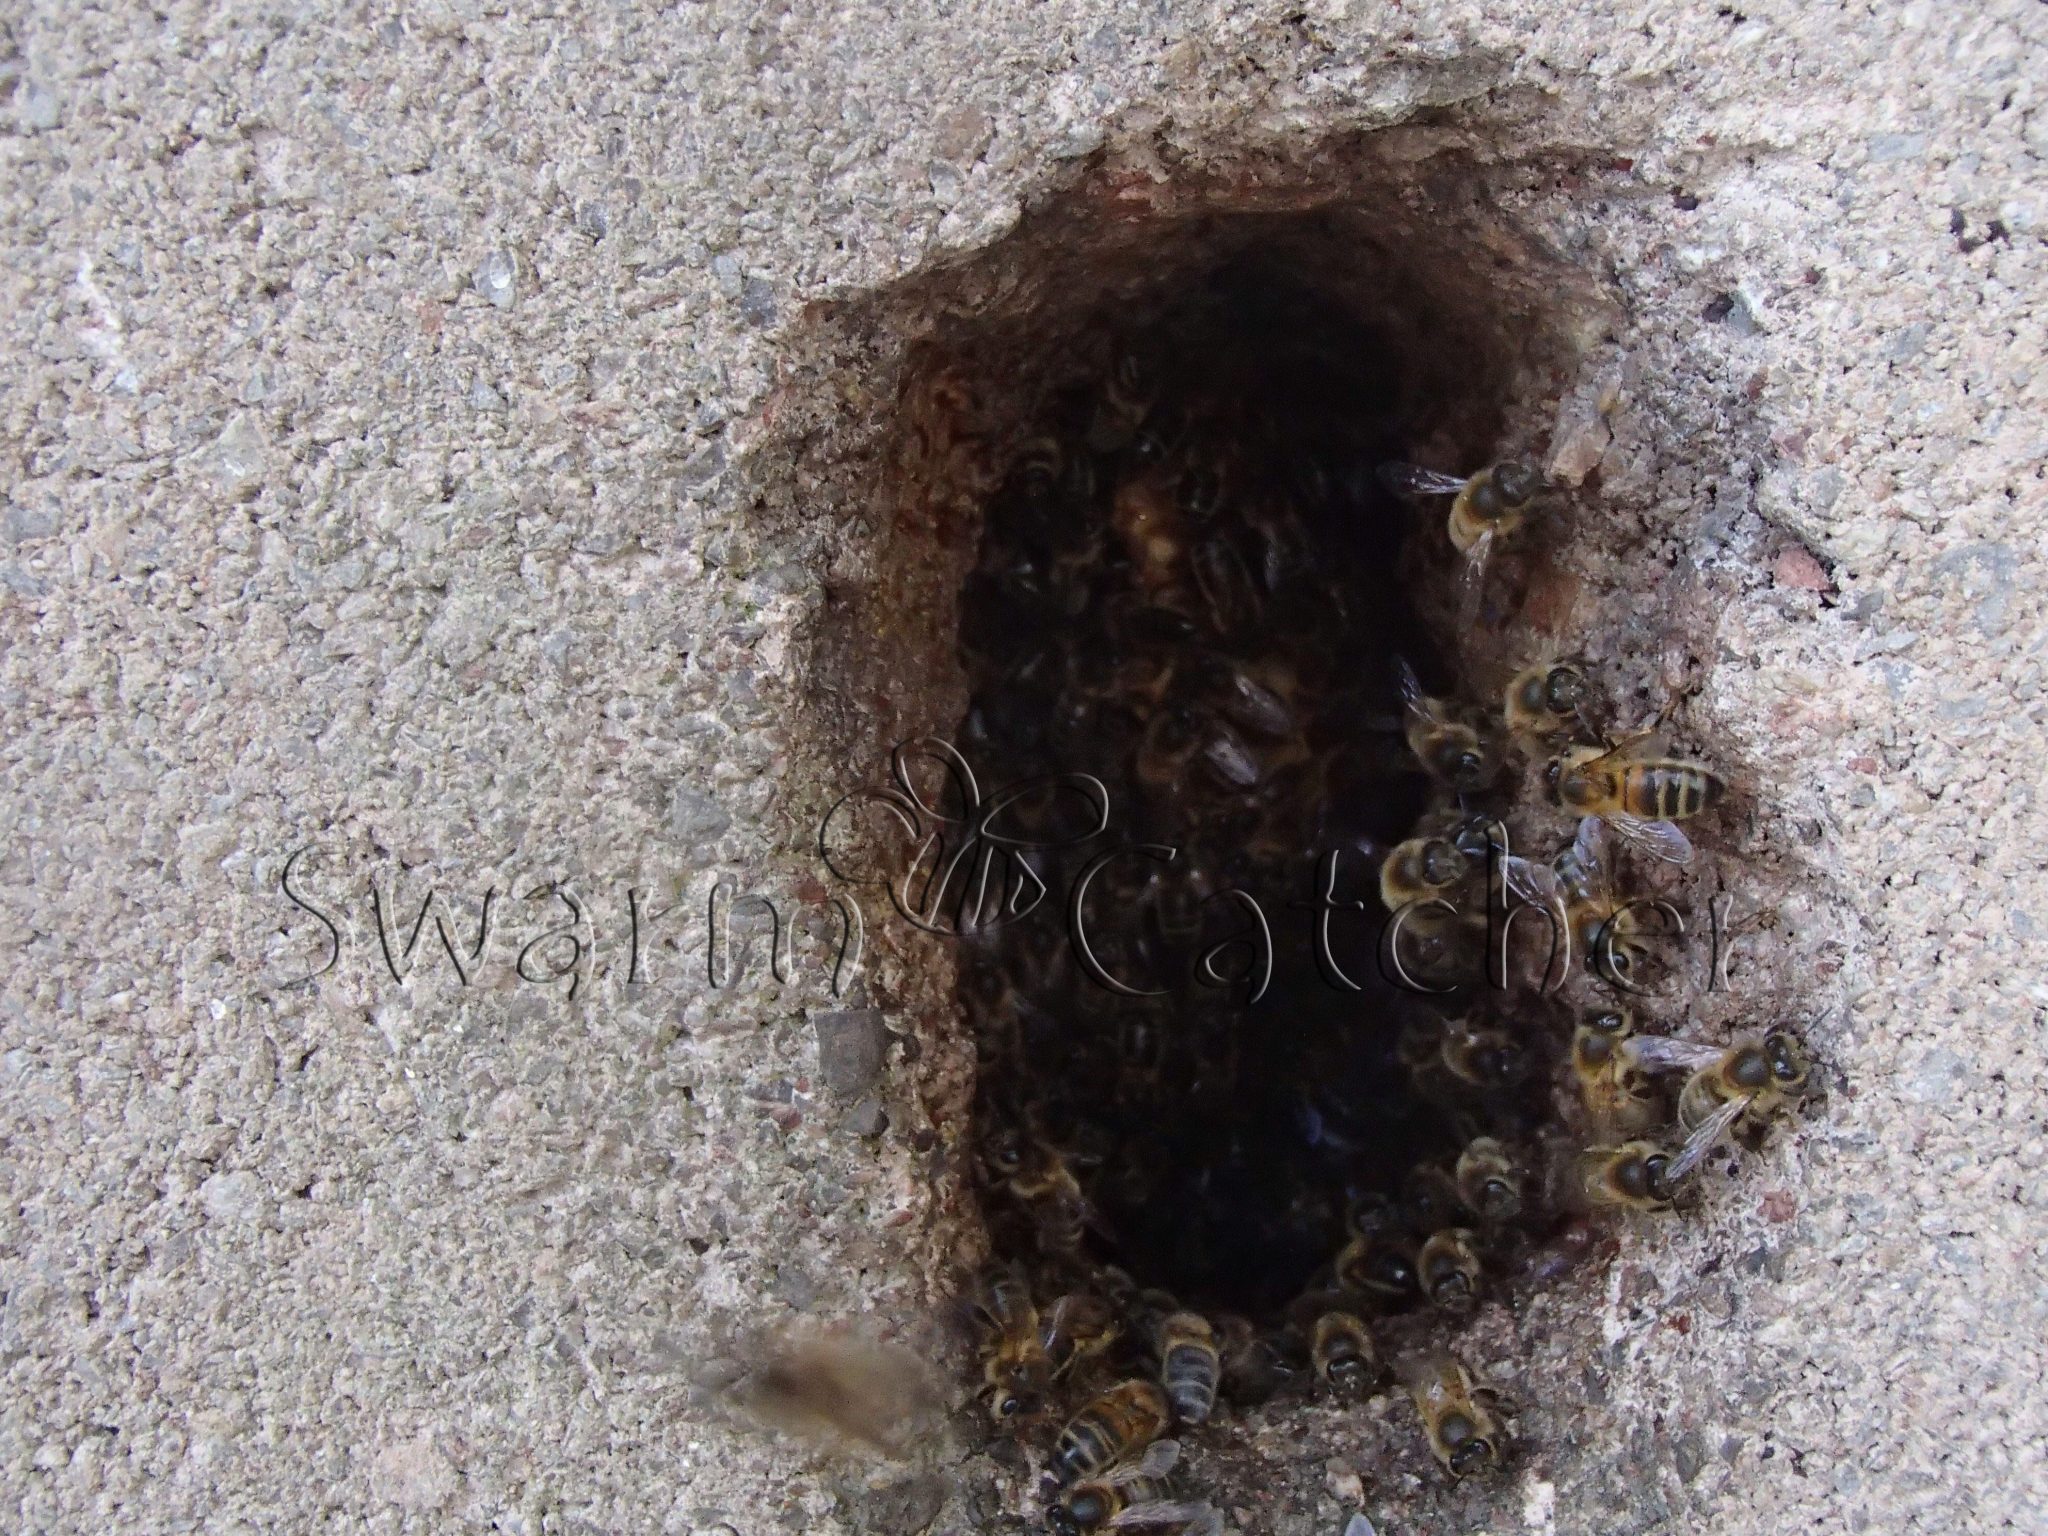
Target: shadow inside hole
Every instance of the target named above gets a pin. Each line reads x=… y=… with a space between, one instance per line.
x=1191 y=586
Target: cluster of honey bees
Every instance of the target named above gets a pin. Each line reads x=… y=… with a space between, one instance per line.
x=1199 y=1202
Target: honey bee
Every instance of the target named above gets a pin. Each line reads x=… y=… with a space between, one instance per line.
x=1380 y=1267
x=1041 y=1180
x=1147 y=520
x=1449 y=1269
x=1459 y=1416
x=1636 y=1174
x=1038 y=470
x=1641 y=795
x=1257 y=700
x=1230 y=600
x=1284 y=558
x=1046 y=475
x=1229 y=763
x=1015 y=1369
x=1116 y=1424
x=1612 y=1083
x=1421 y=869
x=1343 y=1354
x=1526 y=880
x=1475 y=834
x=1076 y=1328
x=1433 y=945
x=1451 y=750
x=1608 y=931
x=1253 y=1369
x=1182 y=741
x=1546 y=701
x=1373 y=1213
x=1126 y=400
x=1484 y=1057
x=1485 y=507
x=1131 y=1496
x=1430 y=1199
x=1189 y=1365
x=832 y=1388
x=1488 y=1181
x=1740 y=1089
x=1566 y=1249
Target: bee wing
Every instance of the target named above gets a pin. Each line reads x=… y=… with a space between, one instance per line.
x=1589 y=848
x=1590 y=842
x=1053 y=1321
x=1411 y=685
x=1659 y=839
x=1414 y=480
x=1197 y=1519
x=1531 y=881
x=1160 y=1458
x=1705 y=1137
x=1633 y=749
x=1472 y=580
x=1662 y=1053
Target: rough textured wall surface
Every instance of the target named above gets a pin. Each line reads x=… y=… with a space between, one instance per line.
x=395 y=472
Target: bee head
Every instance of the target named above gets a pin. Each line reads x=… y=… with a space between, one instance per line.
x=1474 y=1454
x=1501 y=1062
x=1750 y=1070
x=1388 y=1270
x=1441 y=863
x=1516 y=483
x=1452 y=1290
x=1372 y=1214
x=1006 y=1154
x=1612 y=1022
x=1640 y=1175
x=1564 y=690
x=1009 y=1406
x=1427 y=1207
x=1470 y=1451
x=1347 y=1373
x=1656 y=1180
x=1788 y=1059
x=1613 y=955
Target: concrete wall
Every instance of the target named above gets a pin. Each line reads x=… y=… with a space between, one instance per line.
x=424 y=451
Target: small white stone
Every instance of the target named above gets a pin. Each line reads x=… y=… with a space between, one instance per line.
x=414 y=1474
x=243 y=457
x=497 y=279
x=232 y=1196
x=36 y=105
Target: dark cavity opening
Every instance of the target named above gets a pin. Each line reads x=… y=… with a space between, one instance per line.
x=1193 y=587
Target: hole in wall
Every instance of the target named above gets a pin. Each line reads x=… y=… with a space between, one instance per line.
x=1191 y=588
x=1132 y=524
